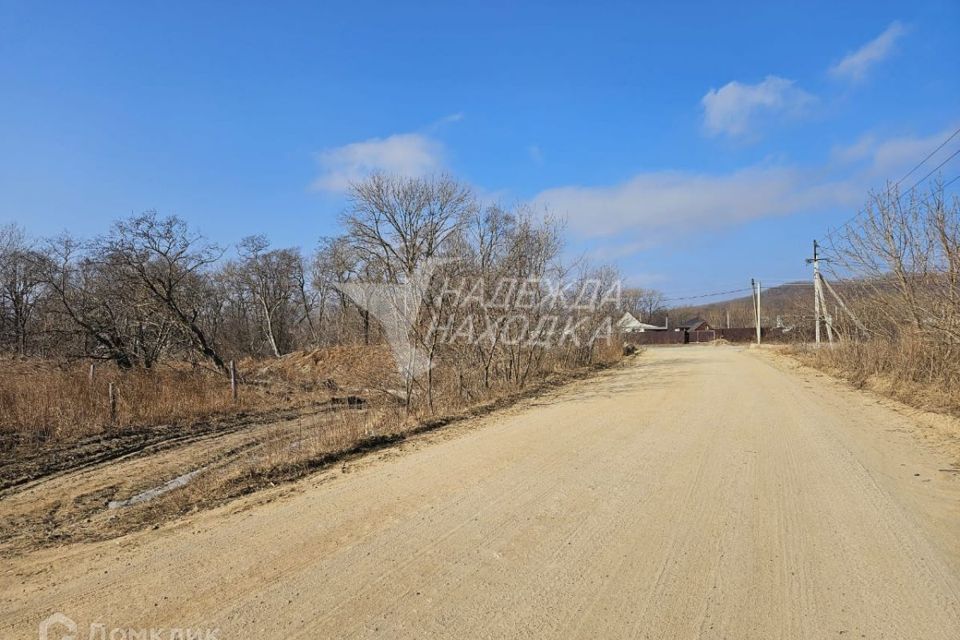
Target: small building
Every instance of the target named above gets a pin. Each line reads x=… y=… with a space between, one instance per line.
x=629 y=324
x=695 y=324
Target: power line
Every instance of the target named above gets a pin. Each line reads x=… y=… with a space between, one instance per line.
x=929 y=155
x=925 y=200
x=934 y=170
x=706 y=295
x=773 y=284
x=909 y=173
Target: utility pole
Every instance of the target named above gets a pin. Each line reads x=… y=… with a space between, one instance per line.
x=758 y=312
x=816 y=291
x=755 y=287
x=820 y=310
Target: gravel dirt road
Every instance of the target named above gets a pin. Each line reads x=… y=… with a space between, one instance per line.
x=701 y=492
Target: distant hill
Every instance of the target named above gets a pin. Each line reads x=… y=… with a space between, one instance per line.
x=787 y=305
x=792 y=303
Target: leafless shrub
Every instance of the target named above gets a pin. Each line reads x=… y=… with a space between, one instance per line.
x=900 y=261
x=162 y=311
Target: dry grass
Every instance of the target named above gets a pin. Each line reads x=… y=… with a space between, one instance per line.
x=915 y=370
x=43 y=401
x=73 y=506
x=318 y=441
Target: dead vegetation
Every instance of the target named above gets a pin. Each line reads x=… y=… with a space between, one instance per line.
x=43 y=402
x=909 y=370
x=226 y=459
x=901 y=264
x=490 y=312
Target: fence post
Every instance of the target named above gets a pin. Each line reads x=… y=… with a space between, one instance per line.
x=233 y=380
x=90 y=375
x=112 y=390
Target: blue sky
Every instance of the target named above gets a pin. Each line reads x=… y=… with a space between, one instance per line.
x=694 y=144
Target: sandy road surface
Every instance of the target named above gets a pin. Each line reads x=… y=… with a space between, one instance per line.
x=705 y=492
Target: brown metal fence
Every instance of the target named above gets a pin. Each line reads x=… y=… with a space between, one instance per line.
x=735 y=334
x=655 y=337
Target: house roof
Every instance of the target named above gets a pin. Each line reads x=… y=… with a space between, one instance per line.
x=629 y=323
x=691 y=323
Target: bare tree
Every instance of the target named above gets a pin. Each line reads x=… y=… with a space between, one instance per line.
x=106 y=319
x=396 y=225
x=153 y=288
x=901 y=261
x=644 y=304
x=274 y=280
x=335 y=264
x=167 y=262
x=21 y=283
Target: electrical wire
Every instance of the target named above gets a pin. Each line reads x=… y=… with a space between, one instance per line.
x=925 y=200
x=908 y=174
x=929 y=155
x=934 y=170
x=706 y=295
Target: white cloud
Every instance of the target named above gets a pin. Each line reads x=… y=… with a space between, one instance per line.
x=652 y=207
x=738 y=109
x=890 y=158
x=644 y=279
x=404 y=154
x=856 y=65
x=452 y=118
x=614 y=251
x=661 y=202
x=855 y=152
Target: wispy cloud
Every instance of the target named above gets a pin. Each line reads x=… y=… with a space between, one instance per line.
x=451 y=118
x=889 y=158
x=854 y=66
x=652 y=207
x=741 y=110
x=644 y=279
x=404 y=154
x=655 y=202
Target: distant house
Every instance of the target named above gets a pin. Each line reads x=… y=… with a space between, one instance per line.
x=629 y=324
x=695 y=324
